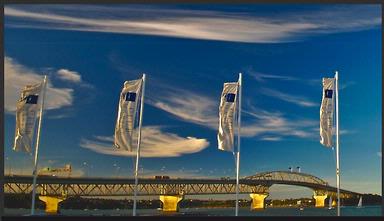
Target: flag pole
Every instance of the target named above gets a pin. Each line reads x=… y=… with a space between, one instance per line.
x=337 y=144
x=238 y=147
x=138 y=147
x=37 y=147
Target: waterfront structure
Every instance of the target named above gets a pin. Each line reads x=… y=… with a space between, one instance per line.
x=171 y=191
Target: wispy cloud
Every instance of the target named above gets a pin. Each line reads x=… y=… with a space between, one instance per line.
x=200 y=24
x=298 y=100
x=261 y=77
x=275 y=124
x=67 y=75
x=266 y=77
x=155 y=143
x=347 y=84
x=188 y=106
x=271 y=138
x=203 y=110
x=16 y=76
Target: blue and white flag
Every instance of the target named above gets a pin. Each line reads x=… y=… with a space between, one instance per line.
x=128 y=105
x=26 y=114
x=326 y=112
x=227 y=111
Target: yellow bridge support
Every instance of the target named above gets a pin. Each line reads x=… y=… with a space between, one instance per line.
x=171 y=203
x=320 y=200
x=52 y=203
x=258 y=200
x=334 y=203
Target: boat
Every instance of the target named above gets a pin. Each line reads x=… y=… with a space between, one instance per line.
x=330 y=203
x=360 y=204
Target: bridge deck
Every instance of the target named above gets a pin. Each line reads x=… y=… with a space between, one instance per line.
x=194 y=186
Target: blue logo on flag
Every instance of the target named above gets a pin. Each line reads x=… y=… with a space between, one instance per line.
x=230 y=97
x=328 y=93
x=130 y=96
x=31 y=99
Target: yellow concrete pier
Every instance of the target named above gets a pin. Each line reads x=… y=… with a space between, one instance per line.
x=258 y=200
x=52 y=203
x=319 y=199
x=334 y=203
x=171 y=203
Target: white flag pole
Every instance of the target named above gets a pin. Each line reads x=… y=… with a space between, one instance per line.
x=337 y=143
x=37 y=147
x=138 y=147
x=238 y=147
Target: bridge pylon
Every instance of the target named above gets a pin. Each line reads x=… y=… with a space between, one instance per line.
x=52 y=201
x=258 y=200
x=320 y=197
x=171 y=202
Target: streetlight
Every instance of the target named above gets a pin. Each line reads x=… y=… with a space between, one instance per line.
x=9 y=165
x=86 y=169
x=91 y=167
x=117 y=174
x=117 y=168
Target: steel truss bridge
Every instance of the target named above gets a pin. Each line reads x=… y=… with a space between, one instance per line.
x=259 y=183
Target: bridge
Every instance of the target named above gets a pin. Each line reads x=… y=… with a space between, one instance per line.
x=53 y=190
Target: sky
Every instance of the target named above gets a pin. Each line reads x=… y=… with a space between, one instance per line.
x=188 y=52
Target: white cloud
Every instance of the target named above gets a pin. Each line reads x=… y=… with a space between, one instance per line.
x=155 y=143
x=199 y=24
x=67 y=75
x=298 y=100
x=271 y=138
x=16 y=76
x=202 y=110
x=187 y=106
x=379 y=154
x=276 y=125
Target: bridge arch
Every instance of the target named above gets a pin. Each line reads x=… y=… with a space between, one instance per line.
x=287 y=177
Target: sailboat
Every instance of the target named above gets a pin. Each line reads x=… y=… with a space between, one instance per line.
x=360 y=204
x=330 y=203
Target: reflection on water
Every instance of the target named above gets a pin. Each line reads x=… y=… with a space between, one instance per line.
x=345 y=211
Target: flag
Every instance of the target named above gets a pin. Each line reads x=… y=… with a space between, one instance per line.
x=26 y=111
x=326 y=112
x=226 y=116
x=129 y=102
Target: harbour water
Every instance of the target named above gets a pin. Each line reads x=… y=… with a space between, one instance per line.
x=345 y=211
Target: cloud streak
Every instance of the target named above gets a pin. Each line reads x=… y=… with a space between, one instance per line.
x=155 y=143
x=261 y=77
x=199 y=24
x=298 y=100
x=187 y=106
x=202 y=110
x=16 y=76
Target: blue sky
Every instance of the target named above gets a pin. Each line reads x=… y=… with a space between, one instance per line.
x=188 y=52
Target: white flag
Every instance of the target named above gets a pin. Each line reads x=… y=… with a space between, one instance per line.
x=26 y=111
x=326 y=112
x=129 y=102
x=226 y=116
